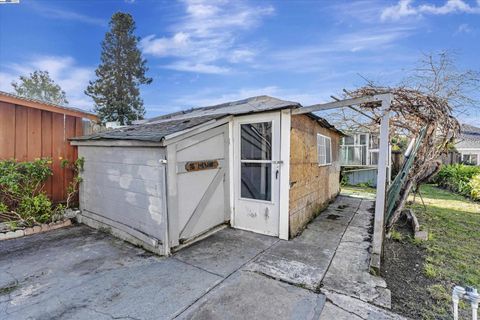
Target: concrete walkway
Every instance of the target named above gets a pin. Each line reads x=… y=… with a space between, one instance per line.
x=80 y=273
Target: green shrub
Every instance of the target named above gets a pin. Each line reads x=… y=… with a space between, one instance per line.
x=35 y=208
x=475 y=187
x=21 y=186
x=457 y=178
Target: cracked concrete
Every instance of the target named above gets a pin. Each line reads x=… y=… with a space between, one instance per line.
x=271 y=299
x=349 y=271
x=81 y=273
x=353 y=308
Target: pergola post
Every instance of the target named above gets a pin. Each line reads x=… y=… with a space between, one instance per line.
x=382 y=177
x=383 y=163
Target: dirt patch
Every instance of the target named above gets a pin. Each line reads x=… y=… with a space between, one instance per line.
x=414 y=294
x=404 y=275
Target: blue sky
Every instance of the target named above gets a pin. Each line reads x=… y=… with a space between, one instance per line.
x=202 y=52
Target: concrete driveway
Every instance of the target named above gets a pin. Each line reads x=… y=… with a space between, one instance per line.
x=81 y=273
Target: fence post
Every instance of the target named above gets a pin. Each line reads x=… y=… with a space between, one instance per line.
x=383 y=157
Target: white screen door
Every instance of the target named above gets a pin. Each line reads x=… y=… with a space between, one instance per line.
x=257 y=173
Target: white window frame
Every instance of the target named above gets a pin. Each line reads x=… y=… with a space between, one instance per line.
x=325 y=139
x=470 y=154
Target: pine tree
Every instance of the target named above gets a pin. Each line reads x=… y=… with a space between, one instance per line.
x=40 y=86
x=122 y=70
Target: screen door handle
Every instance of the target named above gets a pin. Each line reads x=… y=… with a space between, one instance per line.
x=276 y=174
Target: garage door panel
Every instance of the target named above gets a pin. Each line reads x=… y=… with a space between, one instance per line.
x=138 y=171
x=125 y=185
x=129 y=183
x=135 y=210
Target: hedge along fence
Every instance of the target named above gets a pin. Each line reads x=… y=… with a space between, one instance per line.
x=23 y=201
x=461 y=179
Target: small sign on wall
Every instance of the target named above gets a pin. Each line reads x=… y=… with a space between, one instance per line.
x=201 y=165
x=193 y=166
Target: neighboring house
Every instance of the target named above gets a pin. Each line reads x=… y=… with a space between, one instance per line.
x=359 y=157
x=31 y=129
x=359 y=149
x=250 y=163
x=468 y=145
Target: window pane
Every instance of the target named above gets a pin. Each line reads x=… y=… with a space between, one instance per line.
x=256 y=180
x=474 y=159
x=351 y=155
x=256 y=141
x=374 y=141
x=327 y=151
x=363 y=139
x=374 y=158
x=349 y=141
x=321 y=141
x=364 y=155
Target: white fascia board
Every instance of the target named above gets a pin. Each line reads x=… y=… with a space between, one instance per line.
x=116 y=143
x=174 y=137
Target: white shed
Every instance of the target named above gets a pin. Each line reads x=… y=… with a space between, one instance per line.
x=176 y=178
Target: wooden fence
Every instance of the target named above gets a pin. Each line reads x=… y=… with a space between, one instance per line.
x=28 y=133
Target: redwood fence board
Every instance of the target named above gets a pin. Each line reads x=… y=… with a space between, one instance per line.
x=7 y=130
x=27 y=133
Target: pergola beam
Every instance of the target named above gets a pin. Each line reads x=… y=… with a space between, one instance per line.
x=341 y=103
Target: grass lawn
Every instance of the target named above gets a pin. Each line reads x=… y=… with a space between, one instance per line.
x=450 y=257
x=454 y=243
x=360 y=192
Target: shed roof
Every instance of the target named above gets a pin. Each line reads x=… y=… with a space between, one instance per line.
x=245 y=106
x=42 y=105
x=156 y=129
x=469 y=137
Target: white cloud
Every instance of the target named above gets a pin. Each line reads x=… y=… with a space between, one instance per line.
x=162 y=47
x=463 y=28
x=406 y=8
x=64 y=70
x=197 y=67
x=61 y=14
x=207 y=38
x=370 y=39
x=402 y=9
x=358 y=47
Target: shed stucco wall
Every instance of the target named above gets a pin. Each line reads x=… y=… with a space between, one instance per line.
x=312 y=186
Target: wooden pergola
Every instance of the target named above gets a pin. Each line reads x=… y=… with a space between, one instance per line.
x=383 y=163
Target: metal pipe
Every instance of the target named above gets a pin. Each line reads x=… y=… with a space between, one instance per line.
x=468 y=293
x=474 y=298
x=457 y=294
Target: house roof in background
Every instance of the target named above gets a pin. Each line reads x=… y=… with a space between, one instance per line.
x=42 y=105
x=469 y=137
x=156 y=129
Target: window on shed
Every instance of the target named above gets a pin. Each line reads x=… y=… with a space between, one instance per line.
x=324 y=150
